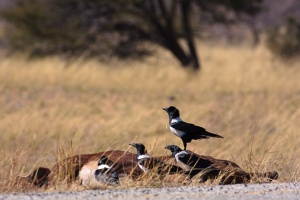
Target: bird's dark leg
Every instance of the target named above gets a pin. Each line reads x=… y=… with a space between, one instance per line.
x=184 y=144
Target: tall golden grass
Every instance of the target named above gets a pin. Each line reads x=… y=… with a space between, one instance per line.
x=242 y=93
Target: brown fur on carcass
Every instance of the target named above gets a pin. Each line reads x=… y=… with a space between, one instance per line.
x=229 y=172
x=69 y=168
x=126 y=164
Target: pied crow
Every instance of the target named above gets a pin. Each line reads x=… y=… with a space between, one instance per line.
x=192 y=164
x=146 y=162
x=105 y=173
x=143 y=158
x=186 y=131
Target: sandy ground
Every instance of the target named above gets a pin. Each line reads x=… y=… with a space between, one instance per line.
x=252 y=191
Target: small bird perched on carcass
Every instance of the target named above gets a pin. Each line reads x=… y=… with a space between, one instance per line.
x=105 y=173
x=186 y=131
x=143 y=158
x=193 y=164
x=146 y=162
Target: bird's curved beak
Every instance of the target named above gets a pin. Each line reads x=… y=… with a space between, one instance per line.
x=167 y=147
x=165 y=109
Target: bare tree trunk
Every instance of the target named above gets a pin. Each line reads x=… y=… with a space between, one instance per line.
x=166 y=30
x=185 y=9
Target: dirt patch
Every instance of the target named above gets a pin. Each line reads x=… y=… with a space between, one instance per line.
x=239 y=191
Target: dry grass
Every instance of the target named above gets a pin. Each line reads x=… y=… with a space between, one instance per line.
x=243 y=94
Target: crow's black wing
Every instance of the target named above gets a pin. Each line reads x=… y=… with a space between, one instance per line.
x=184 y=157
x=188 y=159
x=195 y=132
x=194 y=161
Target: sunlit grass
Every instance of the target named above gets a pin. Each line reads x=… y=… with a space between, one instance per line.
x=242 y=93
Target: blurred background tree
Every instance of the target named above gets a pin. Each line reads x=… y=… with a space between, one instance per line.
x=125 y=28
x=116 y=28
x=284 y=40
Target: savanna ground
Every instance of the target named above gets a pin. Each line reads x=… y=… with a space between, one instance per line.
x=53 y=108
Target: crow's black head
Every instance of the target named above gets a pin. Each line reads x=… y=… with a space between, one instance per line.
x=172 y=111
x=174 y=149
x=103 y=165
x=141 y=149
x=102 y=160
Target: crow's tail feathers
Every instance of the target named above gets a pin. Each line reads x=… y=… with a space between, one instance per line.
x=208 y=135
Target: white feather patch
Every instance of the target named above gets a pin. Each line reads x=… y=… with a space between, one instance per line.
x=143 y=156
x=179 y=154
x=184 y=166
x=103 y=166
x=177 y=132
x=143 y=168
x=175 y=120
x=140 y=157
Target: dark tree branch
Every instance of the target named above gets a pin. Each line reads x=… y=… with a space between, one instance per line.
x=185 y=8
x=167 y=34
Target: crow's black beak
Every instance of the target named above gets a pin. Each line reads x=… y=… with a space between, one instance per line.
x=165 y=109
x=133 y=144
